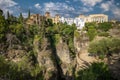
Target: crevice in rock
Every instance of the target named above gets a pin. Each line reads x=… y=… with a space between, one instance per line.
x=56 y=59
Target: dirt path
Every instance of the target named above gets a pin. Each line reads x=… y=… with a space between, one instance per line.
x=84 y=60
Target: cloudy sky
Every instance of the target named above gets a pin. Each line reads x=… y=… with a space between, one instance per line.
x=66 y=8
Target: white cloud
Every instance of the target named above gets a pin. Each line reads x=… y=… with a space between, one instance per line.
x=86 y=9
x=67 y=1
x=64 y=9
x=25 y=15
x=60 y=8
x=116 y=12
x=117 y=4
x=67 y=15
x=82 y=10
x=5 y=5
x=37 y=6
x=57 y=6
x=90 y=2
x=106 y=6
x=110 y=6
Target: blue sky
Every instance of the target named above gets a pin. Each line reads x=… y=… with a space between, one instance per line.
x=66 y=8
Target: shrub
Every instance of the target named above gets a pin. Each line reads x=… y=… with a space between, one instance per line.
x=97 y=71
x=105 y=34
x=104 y=47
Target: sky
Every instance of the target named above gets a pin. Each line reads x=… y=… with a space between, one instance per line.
x=65 y=8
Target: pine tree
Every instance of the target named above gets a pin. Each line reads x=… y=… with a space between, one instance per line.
x=8 y=15
x=21 y=18
x=1 y=12
x=2 y=25
x=29 y=13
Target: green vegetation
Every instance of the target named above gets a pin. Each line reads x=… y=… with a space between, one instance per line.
x=20 y=19
x=21 y=71
x=63 y=31
x=104 y=47
x=3 y=26
x=29 y=13
x=77 y=34
x=92 y=32
x=57 y=38
x=16 y=35
x=104 y=26
x=96 y=71
x=104 y=34
x=100 y=29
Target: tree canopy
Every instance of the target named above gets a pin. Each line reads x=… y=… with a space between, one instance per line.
x=104 y=47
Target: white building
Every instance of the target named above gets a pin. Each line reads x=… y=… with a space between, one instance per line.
x=100 y=18
x=79 y=22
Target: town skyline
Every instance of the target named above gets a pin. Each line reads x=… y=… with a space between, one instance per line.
x=65 y=8
x=35 y=19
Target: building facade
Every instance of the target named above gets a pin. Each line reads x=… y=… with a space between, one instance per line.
x=47 y=15
x=100 y=18
x=34 y=19
x=79 y=22
x=56 y=19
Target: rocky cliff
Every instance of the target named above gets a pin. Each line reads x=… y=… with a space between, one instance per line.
x=54 y=58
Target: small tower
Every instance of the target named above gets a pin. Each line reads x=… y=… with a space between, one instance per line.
x=47 y=15
x=57 y=17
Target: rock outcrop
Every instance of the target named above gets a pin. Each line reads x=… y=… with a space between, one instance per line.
x=114 y=65
x=44 y=57
x=66 y=61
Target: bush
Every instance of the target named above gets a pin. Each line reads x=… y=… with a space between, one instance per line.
x=19 y=71
x=104 y=47
x=97 y=71
x=57 y=38
x=105 y=26
x=105 y=34
x=92 y=32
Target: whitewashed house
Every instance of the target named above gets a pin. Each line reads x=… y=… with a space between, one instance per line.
x=79 y=22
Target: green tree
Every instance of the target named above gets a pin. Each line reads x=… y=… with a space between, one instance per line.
x=19 y=31
x=97 y=71
x=48 y=23
x=21 y=18
x=67 y=34
x=87 y=25
x=8 y=15
x=3 y=27
x=11 y=19
x=105 y=26
x=1 y=12
x=20 y=71
x=104 y=47
x=29 y=13
x=92 y=32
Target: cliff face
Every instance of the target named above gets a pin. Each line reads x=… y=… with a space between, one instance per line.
x=81 y=44
x=65 y=60
x=114 y=65
x=63 y=52
x=54 y=59
x=57 y=64
x=44 y=57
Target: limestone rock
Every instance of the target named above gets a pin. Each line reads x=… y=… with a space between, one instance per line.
x=44 y=57
x=66 y=61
